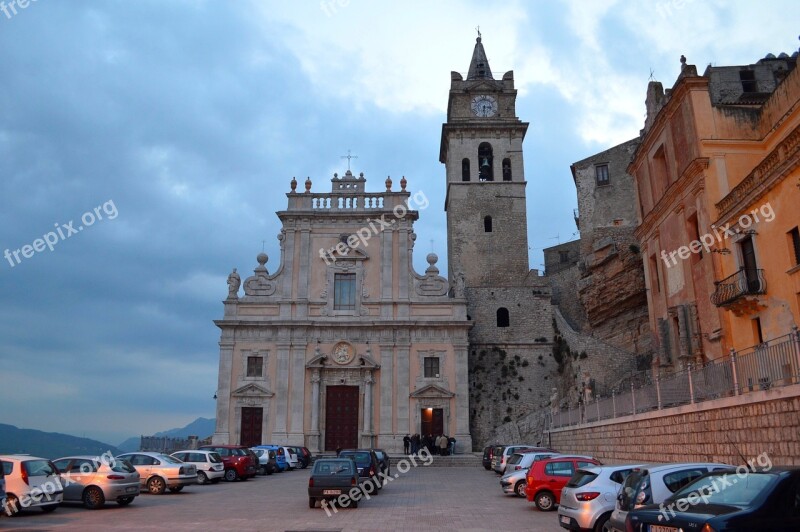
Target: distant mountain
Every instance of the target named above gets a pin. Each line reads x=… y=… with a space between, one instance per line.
x=48 y=444
x=201 y=427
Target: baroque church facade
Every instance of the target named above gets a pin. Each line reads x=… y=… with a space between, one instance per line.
x=345 y=345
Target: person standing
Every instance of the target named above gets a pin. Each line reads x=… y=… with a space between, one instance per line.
x=443 y=444
x=452 y=442
x=406 y=444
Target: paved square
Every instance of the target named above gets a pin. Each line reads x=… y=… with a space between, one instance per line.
x=424 y=498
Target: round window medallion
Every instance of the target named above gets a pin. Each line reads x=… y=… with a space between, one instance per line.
x=343 y=353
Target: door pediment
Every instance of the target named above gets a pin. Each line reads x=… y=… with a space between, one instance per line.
x=252 y=390
x=432 y=391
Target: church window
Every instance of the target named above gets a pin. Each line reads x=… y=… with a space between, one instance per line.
x=485 y=162
x=344 y=294
x=506 y=169
x=465 y=169
x=487 y=224
x=431 y=367
x=502 y=317
x=601 y=174
x=255 y=366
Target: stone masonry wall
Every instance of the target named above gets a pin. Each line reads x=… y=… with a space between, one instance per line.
x=722 y=430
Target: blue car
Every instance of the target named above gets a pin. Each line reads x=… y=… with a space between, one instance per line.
x=280 y=456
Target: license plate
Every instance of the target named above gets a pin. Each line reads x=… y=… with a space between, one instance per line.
x=331 y=492
x=659 y=528
x=131 y=489
x=565 y=519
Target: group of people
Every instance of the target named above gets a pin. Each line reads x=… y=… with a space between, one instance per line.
x=441 y=445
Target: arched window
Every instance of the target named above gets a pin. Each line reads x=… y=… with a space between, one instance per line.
x=502 y=317
x=506 y=169
x=487 y=224
x=465 y=169
x=485 y=162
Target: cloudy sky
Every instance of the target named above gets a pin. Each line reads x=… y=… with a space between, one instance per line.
x=178 y=124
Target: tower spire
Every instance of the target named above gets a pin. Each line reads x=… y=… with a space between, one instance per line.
x=479 y=66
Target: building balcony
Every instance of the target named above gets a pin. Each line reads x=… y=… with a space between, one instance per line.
x=733 y=289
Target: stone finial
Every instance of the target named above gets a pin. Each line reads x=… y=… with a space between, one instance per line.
x=403 y=184
x=388 y=183
x=262 y=259
x=308 y=185
x=432 y=259
x=683 y=62
x=293 y=184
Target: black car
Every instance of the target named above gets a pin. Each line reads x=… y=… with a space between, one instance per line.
x=727 y=500
x=488 y=452
x=303 y=456
x=383 y=460
x=368 y=465
x=332 y=478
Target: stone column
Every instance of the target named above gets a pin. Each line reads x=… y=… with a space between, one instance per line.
x=463 y=437
x=298 y=395
x=368 y=380
x=313 y=438
x=386 y=436
x=222 y=433
x=387 y=286
x=304 y=269
x=281 y=394
x=403 y=391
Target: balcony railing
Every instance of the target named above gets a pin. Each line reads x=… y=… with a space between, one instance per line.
x=747 y=281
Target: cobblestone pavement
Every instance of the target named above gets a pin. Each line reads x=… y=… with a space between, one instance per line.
x=424 y=498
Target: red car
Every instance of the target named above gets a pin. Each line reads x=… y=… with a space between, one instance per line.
x=547 y=478
x=239 y=461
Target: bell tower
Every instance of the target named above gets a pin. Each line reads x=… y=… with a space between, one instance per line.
x=481 y=148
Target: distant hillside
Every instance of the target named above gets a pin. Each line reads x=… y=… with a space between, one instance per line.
x=48 y=444
x=201 y=427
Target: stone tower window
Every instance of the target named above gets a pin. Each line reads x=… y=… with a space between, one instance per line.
x=485 y=162
x=344 y=294
x=254 y=366
x=601 y=174
x=502 y=317
x=464 y=169
x=487 y=224
x=431 y=367
x=506 y=169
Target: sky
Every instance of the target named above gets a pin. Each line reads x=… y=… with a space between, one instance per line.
x=169 y=130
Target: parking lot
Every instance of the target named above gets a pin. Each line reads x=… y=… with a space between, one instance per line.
x=424 y=498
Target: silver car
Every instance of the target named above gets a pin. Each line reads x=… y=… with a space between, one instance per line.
x=590 y=495
x=514 y=481
x=652 y=485
x=93 y=480
x=501 y=458
x=158 y=471
x=208 y=463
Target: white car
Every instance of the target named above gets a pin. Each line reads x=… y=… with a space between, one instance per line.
x=291 y=458
x=31 y=482
x=514 y=481
x=208 y=463
x=590 y=495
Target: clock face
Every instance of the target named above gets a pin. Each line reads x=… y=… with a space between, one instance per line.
x=484 y=105
x=342 y=353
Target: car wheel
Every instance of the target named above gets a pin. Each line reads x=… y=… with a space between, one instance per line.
x=231 y=475
x=519 y=488
x=49 y=508
x=603 y=524
x=11 y=507
x=312 y=502
x=176 y=489
x=201 y=478
x=544 y=501
x=262 y=470
x=125 y=501
x=93 y=498
x=156 y=485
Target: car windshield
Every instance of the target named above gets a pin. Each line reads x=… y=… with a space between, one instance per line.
x=515 y=459
x=580 y=478
x=727 y=488
x=121 y=466
x=169 y=459
x=360 y=458
x=331 y=467
x=238 y=452
x=39 y=468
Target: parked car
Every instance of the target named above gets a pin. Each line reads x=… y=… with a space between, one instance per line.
x=291 y=457
x=239 y=464
x=501 y=458
x=383 y=460
x=303 y=456
x=515 y=479
x=208 y=463
x=31 y=482
x=767 y=501
x=330 y=478
x=280 y=456
x=159 y=472
x=546 y=478
x=588 y=498
x=368 y=466
x=488 y=452
x=652 y=484
x=93 y=480
x=267 y=463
